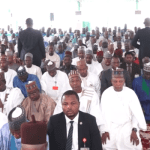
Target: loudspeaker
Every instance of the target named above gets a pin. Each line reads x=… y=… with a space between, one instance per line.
x=51 y=16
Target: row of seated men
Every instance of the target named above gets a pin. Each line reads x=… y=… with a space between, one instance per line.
x=101 y=87
x=42 y=97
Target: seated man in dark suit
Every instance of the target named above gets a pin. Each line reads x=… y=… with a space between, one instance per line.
x=130 y=66
x=67 y=129
x=107 y=74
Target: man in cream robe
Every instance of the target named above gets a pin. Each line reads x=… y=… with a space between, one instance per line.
x=123 y=116
x=54 y=82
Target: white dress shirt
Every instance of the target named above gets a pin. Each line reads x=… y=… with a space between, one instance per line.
x=75 y=131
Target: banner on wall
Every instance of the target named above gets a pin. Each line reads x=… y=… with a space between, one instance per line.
x=86 y=24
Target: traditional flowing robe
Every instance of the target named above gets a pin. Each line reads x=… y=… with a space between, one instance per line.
x=34 y=70
x=21 y=85
x=9 y=76
x=91 y=80
x=10 y=98
x=55 y=86
x=42 y=109
x=122 y=112
x=55 y=58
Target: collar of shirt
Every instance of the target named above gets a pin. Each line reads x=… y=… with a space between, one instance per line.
x=129 y=65
x=75 y=119
x=85 y=77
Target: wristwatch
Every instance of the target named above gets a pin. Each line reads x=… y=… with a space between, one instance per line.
x=134 y=129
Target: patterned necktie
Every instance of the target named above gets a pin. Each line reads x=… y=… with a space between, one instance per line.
x=129 y=69
x=69 y=140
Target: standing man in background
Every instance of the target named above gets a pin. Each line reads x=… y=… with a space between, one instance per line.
x=31 y=40
x=143 y=36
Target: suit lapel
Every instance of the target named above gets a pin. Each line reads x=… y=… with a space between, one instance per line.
x=80 y=129
x=62 y=130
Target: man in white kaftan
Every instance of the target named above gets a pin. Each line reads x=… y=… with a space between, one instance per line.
x=52 y=56
x=9 y=97
x=88 y=79
x=54 y=82
x=123 y=116
x=9 y=73
x=93 y=66
x=30 y=68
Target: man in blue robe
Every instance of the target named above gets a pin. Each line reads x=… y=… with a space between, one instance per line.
x=141 y=86
x=22 y=79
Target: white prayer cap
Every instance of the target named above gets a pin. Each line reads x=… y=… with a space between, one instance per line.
x=119 y=34
x=104 y=40
x=16 y=117
x=50 y=63
x=50 y=66
x=88 y=51
x=147 y=67
x=56 y=35
x=30 y=82
x=126 y=33
x=95 y=44
x=51 y=39
x=8 y=52
x=20 y=68
x=107 y=54
x=81 y=48
x=17 y=112
x=29 y=55
x=79 y=39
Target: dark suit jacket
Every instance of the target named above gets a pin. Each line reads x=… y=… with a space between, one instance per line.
x=144 y=48
x=31 y=40
x=88 y=129
x=66 y=70
x=106 y=79
x=135 y=70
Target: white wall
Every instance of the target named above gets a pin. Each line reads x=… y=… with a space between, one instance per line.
x=108 y=13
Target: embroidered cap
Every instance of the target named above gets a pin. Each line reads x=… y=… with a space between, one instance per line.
x=73 y=73
x=16 y=117
x=31 y=86
x=117 y=73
